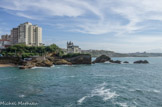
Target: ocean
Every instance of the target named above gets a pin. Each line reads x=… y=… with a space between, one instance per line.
x=96 y=85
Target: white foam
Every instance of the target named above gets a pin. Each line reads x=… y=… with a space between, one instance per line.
x=100 y=91
x=106 y=94
x=52 y=66
x=36 y=67
x=42 y=67
x=107 y=62
x=21 y=96
x=154 y=90
x=122 y=104
x=82 y=99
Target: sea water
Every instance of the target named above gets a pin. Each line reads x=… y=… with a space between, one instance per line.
x=96 y=85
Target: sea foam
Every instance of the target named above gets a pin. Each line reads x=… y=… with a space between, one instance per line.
x=100 y=91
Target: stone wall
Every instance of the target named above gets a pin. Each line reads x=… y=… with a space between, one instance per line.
x=7 y=60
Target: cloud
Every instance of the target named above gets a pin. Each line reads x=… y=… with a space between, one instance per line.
x=27 y=16
x=123 y=17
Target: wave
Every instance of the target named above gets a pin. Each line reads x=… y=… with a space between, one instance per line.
x=106 y=94
x=100 y=91
x=121 y=104
x=68 y=76
x=43 y=67
x=108 y=62
x=82 y=99
x=141 y=90
x=22 y=96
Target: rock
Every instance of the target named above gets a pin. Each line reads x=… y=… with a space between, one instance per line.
x=141 y=62
x=117 y=61
x=102 y=59
x=80 y=59
x=44 y=63
x=59 y=61
x=126 y=62
x=27 y=65
x=62 y=61
x=40 y=62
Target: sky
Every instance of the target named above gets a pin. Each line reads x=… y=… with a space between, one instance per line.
x=117 y=25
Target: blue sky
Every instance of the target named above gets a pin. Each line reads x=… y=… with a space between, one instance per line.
x=117 y=25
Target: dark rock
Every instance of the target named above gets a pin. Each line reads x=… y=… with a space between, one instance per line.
x=80 y=59
x=141 y=62
x=102 y=59
x=126 y=62
x=117 y=61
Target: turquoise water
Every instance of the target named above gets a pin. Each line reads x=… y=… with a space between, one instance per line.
x=96 y=85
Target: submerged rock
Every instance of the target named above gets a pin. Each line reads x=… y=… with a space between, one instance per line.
x=126 y=62
x=117 y=61
x=102 y=59
x=141 y=62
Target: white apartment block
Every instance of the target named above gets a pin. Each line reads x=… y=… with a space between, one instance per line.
x=29 y=34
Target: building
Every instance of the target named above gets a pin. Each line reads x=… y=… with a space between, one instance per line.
x=4 y=43
x=29 y=34
x=26 y=33
x=14 y=36
x=6 y=37
x=71 y=48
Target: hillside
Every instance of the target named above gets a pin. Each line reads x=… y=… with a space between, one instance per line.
x=96 y=53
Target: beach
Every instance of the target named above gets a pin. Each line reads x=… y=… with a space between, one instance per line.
x=7 y=65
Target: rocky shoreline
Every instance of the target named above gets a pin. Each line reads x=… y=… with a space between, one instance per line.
x=49 y=61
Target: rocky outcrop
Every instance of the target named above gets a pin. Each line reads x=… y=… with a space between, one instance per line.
x=38 y=63
x=141 y=62
x=125 y=62
x=79 y=59
x=44 y=63
x=27 y=65
x=102 y=59
x=59 y=61
x=117 y=61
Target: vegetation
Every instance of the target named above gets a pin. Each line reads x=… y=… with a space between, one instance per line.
x=21 y=50
x=69 y=55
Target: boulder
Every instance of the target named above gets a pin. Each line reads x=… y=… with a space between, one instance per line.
x=141 y=62
x=126 y=62
x=44 y=63
x=117 y=61
x=80 y=59
x=102 y=59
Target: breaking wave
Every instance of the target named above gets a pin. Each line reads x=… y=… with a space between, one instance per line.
x=100 y=91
